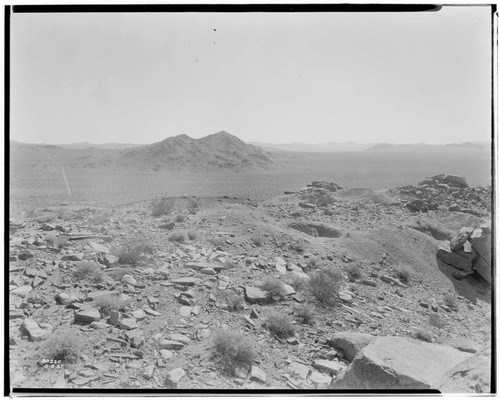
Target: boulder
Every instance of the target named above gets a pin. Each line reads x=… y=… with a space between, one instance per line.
x=256 y=295
x=457 y=242
x=87 y=316
x=472 y=375
x=256 y=374
x=350 y=343
x=459 y=259
x=481 y=244
x=98 y=248
x=174 y=377
x=35 y=331
x=394 y=363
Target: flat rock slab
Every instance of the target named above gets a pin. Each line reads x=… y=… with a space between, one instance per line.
x=186 y=281
x=179 y=337
x=256 y=295
x=87 y=316
x=393 y=362
x=256 y=374
x=36 y=332
x=470 y=376
x=174 y=377
x=299 y=370
x=320 y=379
x=332 y=367
x=350 y=343
x=170 y=344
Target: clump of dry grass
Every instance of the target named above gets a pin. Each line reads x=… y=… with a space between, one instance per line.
x=404 y=273
x=354 y=272
x=110 y=302
x=61 y=346
x=305 y=314
x=100 y=219
x=192 y=235
x=325 y=285
x=435 y=320
x=297 y=282
x=233 y=350
x=88 y=271
x=61 y=242
x=274 y=287
x=234 y=301
x=280 y=325
x=118 y=273
x=257 y=239
x=133 y=251
x=451 y=301
x=193 y=205
x=162 y=206
x=178 y=237
x=422 y=335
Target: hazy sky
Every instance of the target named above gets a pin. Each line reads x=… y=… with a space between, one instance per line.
x=301 y=77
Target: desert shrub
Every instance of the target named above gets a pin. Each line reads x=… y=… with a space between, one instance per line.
x=88 y=271
x=313 y=263
x=280 y=325
x=305 y=314
x=435 y=320
x=353 y=272
x=192 y=235
x=325 y=285
x=179 y=218
x=110 y=302
x=118 y=273
x=46 y=218
x=177 y=237
x=297 y=282
x=61 y=242
x=257 y=239
x=230 y=264
x=404 y=273
x=193 y=205
x=61 y=346
x=216 y=241
x=298 y=247
x=451 y=301
x=162 y=206
x=233 y=349
x=133 y=251
x=422 y=335
x=274 y=287
x=100 y=219
x=234 y=301
x=321 y=199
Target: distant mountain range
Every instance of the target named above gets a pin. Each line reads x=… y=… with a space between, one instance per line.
x=424 y=147
x=219 y=152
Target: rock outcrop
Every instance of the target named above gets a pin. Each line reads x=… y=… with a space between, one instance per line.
x=392 y=363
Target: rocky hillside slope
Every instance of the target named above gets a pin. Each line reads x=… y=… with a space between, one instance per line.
x=326 y=287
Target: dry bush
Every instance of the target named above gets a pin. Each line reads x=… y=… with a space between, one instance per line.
x=313 y=263
x=230 y=264
x=274 y=287
x=423 y=335
x=404 y=273
x=178 y=237
x=88 y=271
x=297 y=282
x=451 y=301
x=100 y=219
x=234 y=301
x=179 y=218
x=61 y=346
x=305 y=314
x=257 y=239
x=435 y=320
x=216 y=241
x=61 y=242
x=354 y=272
x=193 y=205
x=280 y=325
x=162 y=206
x=325 y=285
x=133 y=251
x=298 y=247
x=192 y=235
x=233 y=350
x=110 y=302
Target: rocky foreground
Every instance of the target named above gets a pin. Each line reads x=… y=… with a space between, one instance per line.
x=119 y=298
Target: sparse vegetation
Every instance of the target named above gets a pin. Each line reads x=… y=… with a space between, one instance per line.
x=257 y=239
x=297 y=282
x=305 y=314
x=298 y=247
x=325 y=285
x=216 y=241
x=233 y=349
x=435 y=320
x=100 y=219
x=179 y=218
x=423 y=335
x=354 y=272
x=274 y=287
x=88 y=271
x=133 y=251
x=118 y=273
x=162 y=206
x=451 y=301
x=110 y=302
x=178 y=237
x=233 y=300
x=192 y=235
x=193 y=205
x=313 y=263
x=404 y=273
x=61 y=242
x=62 y=346
x=280 y=325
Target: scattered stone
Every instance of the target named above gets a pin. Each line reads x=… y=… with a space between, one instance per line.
x=185 y=311
x=332 y=367
x=256 y=295
x=36 y=332
x=129 y=280
x=99 y=325
x=178 y=337
x=127 y=323
x=174 y=377
x=208 y=271
x=256 y=374
x=298 y=369
x=320 y=379
x=186 y=281
x=350 y=343
x=138 y=314
x=87 y=316
x=458 y=241
x=170 y=344
x=166 y=354
x=148 y=372
x=72 y=257
x=98 y=248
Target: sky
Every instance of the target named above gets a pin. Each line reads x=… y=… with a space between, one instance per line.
x=264 y=77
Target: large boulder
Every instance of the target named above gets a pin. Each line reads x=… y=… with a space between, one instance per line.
x=452 y=180
x=391 y=363
x=470 y=376
x=480 y=241
x=350 y=343
x=457 y=242
x=460 y=259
